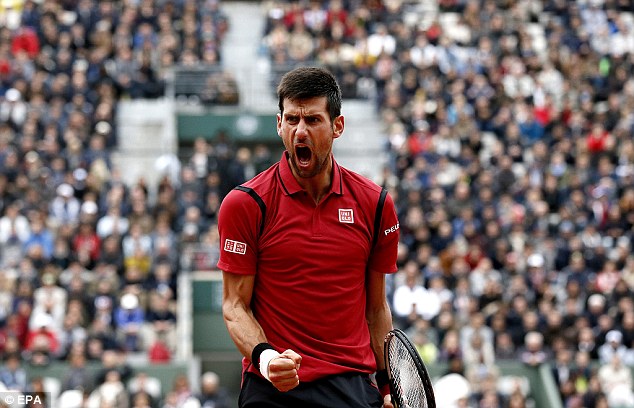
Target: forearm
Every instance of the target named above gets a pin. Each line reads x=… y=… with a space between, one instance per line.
x=243 y=328
x=246 y=333
x=379 y=323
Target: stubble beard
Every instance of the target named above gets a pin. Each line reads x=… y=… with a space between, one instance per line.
x=321 y=163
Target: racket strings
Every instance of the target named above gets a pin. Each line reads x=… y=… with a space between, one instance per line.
x=406 y=378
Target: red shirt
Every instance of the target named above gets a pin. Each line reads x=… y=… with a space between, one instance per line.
x=159 y=353
x=90 y=243
x=310 y=263
x=42 y=338
x=597 y=142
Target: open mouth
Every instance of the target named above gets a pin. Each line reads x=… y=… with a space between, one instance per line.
x=303 y=155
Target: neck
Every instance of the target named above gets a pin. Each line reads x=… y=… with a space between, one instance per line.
x=318 y=185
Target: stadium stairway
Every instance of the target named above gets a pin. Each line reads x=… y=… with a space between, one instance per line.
x=361 y=148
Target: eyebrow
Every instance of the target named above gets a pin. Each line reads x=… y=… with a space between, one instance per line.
x=307 y=115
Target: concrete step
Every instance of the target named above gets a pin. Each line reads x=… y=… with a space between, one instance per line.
x=361 y=148
x=242 y=57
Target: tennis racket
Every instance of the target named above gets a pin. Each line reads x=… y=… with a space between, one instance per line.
x=410 y=384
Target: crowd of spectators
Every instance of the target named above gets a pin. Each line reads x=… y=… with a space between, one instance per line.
x=509 y=129
x=88 y=264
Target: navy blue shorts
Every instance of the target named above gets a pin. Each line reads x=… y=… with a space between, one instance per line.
x=338 y=391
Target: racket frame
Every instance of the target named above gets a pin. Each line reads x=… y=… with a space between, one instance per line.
x=397 y=399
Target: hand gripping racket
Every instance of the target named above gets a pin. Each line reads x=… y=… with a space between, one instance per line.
x=410 y=384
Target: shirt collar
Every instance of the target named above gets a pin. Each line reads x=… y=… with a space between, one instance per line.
x=291 y=186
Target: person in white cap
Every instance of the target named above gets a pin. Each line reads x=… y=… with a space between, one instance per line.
x=65 y=207
x=129 y=317
x=613 y=345
x=13 y=109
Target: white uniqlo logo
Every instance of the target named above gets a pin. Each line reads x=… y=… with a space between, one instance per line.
x=236 y=247
x=346 y=215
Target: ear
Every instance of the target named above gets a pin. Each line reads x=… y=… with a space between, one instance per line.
x=279 y=125
x=337 y=126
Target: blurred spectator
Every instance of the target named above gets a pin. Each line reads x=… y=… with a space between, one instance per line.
x=476 y=326
x=113 y=359
x=479 y=361
x=614 y=346
x=425 y=345
x=136 y=242
x=160 y=321
x=141 y=400
x=14 y=226
x=65 y=207
x=42 y=338
x=112 y=223
x=450 y=349
x=7 y=285
x=40 y=239
x=72 y=330
x=181 y=392
x=164 y=241
x=12 y=374
x=533 y=353
x=212 y=393
x=413 y=300
x=50 y=299
x=144 y=384
x=504 y=347
x=616 y=382
x=162 y=281
x=13 y=108
x=110 y=392
x=129 y=318
x=158 y=350
x=563 y=373
x=77 y=377
x=87 y=245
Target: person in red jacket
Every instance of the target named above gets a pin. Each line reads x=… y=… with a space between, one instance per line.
x=87 y=244
x=599 y=139
x=25 y=40
x=42 y=337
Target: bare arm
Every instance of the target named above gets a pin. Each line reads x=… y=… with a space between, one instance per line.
x=246 y=332
x=378 y=315
x=379 y=319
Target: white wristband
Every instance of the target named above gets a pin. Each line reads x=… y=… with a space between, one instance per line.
x=265 y=358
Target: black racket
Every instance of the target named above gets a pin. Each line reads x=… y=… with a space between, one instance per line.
x=410 y=384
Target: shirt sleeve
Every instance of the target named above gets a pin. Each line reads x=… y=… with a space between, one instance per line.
x=384 y=254
x=239 y=221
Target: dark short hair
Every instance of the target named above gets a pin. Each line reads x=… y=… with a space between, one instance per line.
x=310 y=82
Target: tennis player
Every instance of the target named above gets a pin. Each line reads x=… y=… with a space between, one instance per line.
x=304 y=253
